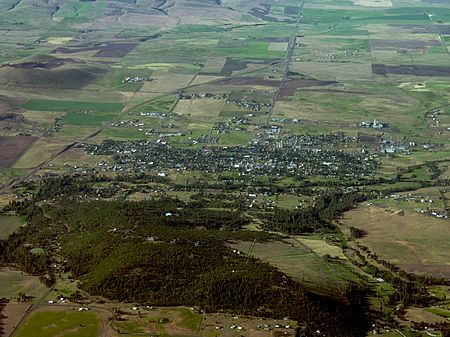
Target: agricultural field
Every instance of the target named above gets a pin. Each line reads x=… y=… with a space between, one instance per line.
x=13 y=148
x=14 y=282
x=9 y=224
x=170 y=321
x=303 y=259
x=60 y=320
x=415 y=242
x=50 y=322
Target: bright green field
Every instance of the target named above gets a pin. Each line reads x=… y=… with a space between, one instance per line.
x=87 y=119
x=54 y=105
x=60 y=324
x=189 y=319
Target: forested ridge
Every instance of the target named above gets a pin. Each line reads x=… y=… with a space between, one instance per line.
x=168 y=252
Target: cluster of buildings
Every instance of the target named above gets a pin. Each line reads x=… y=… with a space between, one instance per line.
x=249 y=105
x=182 y=95
x=129 y=123
x=428 y=202
x=299 y=156
x=374 y=125
x=235 y=123
x=137 y=79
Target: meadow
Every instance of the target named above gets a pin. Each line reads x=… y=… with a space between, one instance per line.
x=161 y=321
x=9 y=224
x=13 y=282
x=65 y=323
x=413 y=241
x=68 y=106
x=303 y=259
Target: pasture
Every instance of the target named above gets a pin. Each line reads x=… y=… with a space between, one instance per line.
x=321 y=247
x=301 y=262
x=13 y=282
x=181 y=321
x=61 y=322
x=9 y=224
x=39 y=152
x=71 y=106
x=164 y=82
x=161 y=321
x=415 y=242
x=206 y=108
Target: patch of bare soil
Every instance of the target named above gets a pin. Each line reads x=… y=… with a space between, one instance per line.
x=14 y=313
x=12 y=148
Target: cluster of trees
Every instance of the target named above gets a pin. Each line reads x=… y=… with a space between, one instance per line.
x=443 y=328
x=65 y=185
x=315 y=218
x=356 y=233
x=410 y=289
x=3 y=303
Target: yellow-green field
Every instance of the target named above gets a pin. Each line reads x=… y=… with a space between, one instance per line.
x=199 y=107
x=416 y=242
x=9 y=224
x=300 y=261
x=13 y=282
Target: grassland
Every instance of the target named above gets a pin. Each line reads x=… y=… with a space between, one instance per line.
x=9 y=224
x=302 y=262
x=69 y=106
x=416 y=242
x=40 y=151
x=64 y=323
x=181 y=321
x=199 y=107
x=13 y=282
x=162 y=321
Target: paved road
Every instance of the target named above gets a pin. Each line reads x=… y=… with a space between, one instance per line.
x=288 y=59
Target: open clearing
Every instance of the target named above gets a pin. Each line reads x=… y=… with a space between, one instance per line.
x=199 y=107
x=13 y=281
x=299 y=261
x=416 y=242
x=60 y=323
x=9 y=224
x=421 y=315
x=321 y=247
x=40 y=151
x=14 y=313
x=160 y=321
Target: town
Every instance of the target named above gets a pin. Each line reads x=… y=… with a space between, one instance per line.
x=299 y=156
